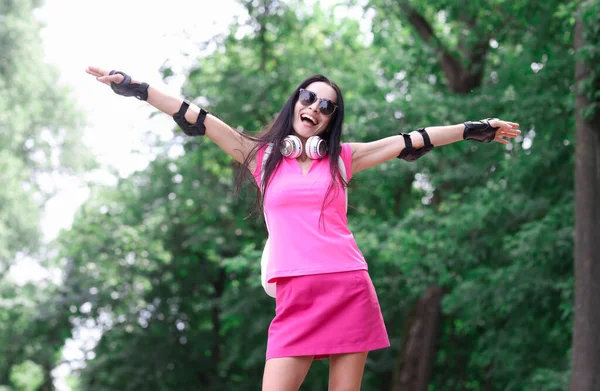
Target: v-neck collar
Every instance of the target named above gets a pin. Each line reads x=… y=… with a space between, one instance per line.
x=312 y=164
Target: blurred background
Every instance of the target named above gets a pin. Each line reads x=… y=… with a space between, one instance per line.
x=126 y=262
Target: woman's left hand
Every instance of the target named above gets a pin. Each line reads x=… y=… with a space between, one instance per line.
x=506 y=129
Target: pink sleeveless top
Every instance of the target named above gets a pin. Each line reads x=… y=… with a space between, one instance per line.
x=300 y=244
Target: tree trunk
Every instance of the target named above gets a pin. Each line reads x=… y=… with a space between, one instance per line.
x=585 y=374
x=462 y=79
x=419 y=343
x=48 y=384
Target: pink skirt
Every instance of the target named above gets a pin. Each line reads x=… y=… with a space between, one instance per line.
x=323 y=314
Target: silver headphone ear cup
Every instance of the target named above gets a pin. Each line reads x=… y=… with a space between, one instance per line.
x=291 y=147
x=316 y=148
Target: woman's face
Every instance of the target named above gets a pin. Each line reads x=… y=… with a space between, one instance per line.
x=308 y=120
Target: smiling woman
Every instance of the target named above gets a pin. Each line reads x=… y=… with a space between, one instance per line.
x=326 y=305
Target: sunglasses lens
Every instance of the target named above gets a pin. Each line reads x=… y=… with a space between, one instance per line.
x=326 y=107
x=307 y=98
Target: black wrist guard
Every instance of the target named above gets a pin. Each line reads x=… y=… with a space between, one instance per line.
x=127 y=88
x=197 y=129
x=480 y=131
x=409 y=153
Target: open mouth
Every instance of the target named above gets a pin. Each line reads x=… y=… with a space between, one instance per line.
x=308 y=119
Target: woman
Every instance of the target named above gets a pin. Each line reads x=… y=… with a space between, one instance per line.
x=326 y=305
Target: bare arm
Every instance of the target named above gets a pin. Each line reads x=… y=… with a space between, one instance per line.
x=367 y=155
x=228 y=139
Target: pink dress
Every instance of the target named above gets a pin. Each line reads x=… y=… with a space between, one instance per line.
x=325 y=302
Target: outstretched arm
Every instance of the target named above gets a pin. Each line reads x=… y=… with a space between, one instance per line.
x=367 y=155
x=231 y=141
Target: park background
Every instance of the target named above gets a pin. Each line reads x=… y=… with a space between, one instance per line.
x=127 y=263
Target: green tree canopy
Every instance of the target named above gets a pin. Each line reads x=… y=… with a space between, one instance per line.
x=167 y=264
x=40 y=133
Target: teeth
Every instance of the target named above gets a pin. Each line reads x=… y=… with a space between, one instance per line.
x=314 y=121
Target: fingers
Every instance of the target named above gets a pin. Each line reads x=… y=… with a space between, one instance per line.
x=507 y=129
x=103 y=76
x=95 y=71
x=501 y=140
x=501 y=123
x=510 y=132
x=116 y=78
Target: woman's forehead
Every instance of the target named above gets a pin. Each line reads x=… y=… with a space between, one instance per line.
x=323 y=90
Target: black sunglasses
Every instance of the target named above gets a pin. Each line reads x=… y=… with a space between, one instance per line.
x=307 y=98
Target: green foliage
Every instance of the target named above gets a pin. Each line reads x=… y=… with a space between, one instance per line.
x=32 y=327
x=590 y=54
x=149 y=257
x=45 y=130
x=40 y=133
x=167 y=265
x=18 y=219
x=27 y=376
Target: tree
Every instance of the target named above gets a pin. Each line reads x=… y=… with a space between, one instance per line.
x=586 y=335
x=40 y=135
x=452 y=239
x=160 y=265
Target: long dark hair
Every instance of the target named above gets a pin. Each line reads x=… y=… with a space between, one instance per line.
x=282 y=126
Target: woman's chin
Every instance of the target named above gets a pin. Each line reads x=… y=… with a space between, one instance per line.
x=304 y=132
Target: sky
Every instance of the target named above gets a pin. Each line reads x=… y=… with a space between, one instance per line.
x=134 y=36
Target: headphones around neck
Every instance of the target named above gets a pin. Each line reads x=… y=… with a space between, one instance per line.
x=316 y=147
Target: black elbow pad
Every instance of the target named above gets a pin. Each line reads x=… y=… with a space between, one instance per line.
x=197 y=129
x=409 y=153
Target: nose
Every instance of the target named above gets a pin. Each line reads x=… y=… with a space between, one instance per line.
x=315 y=106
